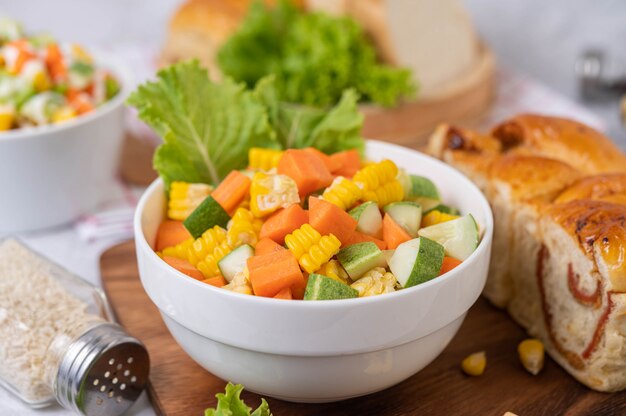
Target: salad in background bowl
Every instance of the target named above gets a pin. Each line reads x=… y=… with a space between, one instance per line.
x=309 y=351
x=61 y=130
x=43 y=82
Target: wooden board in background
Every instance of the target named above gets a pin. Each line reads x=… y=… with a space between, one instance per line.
x=179 y=387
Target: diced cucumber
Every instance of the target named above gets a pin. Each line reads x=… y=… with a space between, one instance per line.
x=235 y=261
x=416 y=261
x=424 y=192
x=446 y=209
x=359 y=258
x=207 y=215
x=407 y=215
x=405 y=181
x=388 y=254
x=324 y=288
x=369 y=219
x=459 y=237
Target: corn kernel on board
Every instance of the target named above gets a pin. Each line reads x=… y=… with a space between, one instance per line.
x=179 y=387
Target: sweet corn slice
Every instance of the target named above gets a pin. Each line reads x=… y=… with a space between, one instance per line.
x=436 y=217
x=334 y=270
x=474 y=364
x=269 y=192
x=375 y=282
x=531 y=354
x=81 y=53
x=243 y=228
x=311 y=248
x=185 y=197
x=263 y=159
x=342 y=192
x=379 y=184
x=240 y=283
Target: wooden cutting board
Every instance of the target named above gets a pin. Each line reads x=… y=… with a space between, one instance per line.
x=179 y=387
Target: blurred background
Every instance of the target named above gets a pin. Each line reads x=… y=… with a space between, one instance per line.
x=542 y=39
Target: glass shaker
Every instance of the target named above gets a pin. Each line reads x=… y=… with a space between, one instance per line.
x=58 y=341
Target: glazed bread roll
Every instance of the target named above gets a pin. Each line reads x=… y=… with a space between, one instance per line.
x=559 y=252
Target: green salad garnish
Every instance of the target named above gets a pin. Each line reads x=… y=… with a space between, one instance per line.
x=208 y=127
x=230 y=404
x=314 y=56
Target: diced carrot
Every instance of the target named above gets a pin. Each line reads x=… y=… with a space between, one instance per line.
x=266 y=246
x=358 y=237
x=79 y=101
x=23 y=56
x=170 y=233
x=232 y=190
x=328 y=218
x=448 y=264
x=297 y=290
x=348 y=162
x=217 y=281
x=284 y=222
x=331 y=164
x=393 y=234
x=183 y=266
x=306 y=169
x=284 y=294
x=270 y=273
x=54 y=62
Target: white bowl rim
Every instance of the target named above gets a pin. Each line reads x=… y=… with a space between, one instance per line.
x=121 y=71
x=484 y=244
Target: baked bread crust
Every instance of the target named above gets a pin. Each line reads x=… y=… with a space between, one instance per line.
x=559 y=253
x=577 y=144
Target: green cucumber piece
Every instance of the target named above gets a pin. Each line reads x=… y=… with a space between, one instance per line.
x=407 y=215
x=357 y=259
x=324 y=288
x=422 y=187
x=446 y=209
x=369 y=219
x=235 y=261
x=459 y=237
x=207 y=215
x=388 y=254
x=405 y=181
x=416 y=261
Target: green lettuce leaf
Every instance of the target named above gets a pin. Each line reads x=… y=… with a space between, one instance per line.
x=314 y=56
x=298 y=126
x=207 y=128
x=230 y=404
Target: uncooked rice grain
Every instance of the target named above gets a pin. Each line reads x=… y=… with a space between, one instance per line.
x=34 y=307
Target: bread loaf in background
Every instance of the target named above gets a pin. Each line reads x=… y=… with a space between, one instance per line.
x=558 y=193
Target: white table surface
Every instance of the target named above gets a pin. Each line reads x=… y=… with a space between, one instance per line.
x=540 y=38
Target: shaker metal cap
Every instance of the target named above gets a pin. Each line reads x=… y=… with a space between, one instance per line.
x=103 y=372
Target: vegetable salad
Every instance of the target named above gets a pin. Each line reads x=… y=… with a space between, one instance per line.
x=42 y=82
x=273 y=200
x=301 y=224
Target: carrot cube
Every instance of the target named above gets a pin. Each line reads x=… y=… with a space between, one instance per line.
x=266 y=246
x=284 y=222
x=170 y=233
x=183 y=266
x=306 y=169
x=328 y=218
x=270 y=273
x=347 y=162
x=232 y=190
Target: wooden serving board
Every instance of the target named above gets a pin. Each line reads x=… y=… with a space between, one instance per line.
x=179 y=387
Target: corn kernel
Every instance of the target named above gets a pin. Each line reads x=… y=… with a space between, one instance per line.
x=437 y=217
x=474 y=364
x=6 y=121
x=41 y=82
x=531 y=354
x=62 y=114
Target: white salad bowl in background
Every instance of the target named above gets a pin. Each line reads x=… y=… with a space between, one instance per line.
x=319 y=351
x=52 y=174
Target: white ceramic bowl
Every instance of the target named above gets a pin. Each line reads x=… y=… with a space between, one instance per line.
x=52 y=174
x=323 y=351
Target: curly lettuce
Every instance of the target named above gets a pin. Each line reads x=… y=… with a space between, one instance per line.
x=208 y=128
x=230 y=404
x=314 y=56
